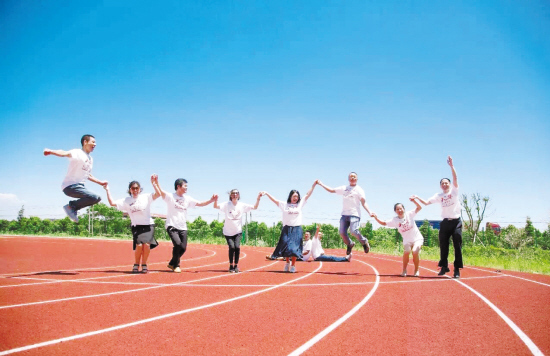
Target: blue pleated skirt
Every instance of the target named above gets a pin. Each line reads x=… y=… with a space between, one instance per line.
x=290 y=242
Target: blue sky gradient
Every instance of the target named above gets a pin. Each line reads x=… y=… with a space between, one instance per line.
x=273 y=95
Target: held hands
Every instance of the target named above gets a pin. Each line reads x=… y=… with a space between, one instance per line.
x=373 y=215
x=47 y=152
x=413 y=197
x=214 y=197
x=154 y=179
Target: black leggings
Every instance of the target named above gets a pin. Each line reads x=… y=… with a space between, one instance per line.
x=234 y=243
x=179 y=240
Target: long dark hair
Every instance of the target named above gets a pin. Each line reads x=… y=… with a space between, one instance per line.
x=291 y=194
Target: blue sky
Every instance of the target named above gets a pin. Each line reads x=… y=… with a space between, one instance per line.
x=273 y=95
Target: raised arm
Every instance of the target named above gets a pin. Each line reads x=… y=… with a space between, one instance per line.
x=109 y=198
x=97 y=181
x=257 y=201
x=328 y=189
x=270 y=197
x=216 y=206
x=154 y=182
x=455 y=179
x=308 y=194
x=316 y=236
x=383 y=223
x=205 y=203
x=418 y=206
x=58 y=153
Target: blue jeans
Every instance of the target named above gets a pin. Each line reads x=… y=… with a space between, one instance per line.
x=351 y=222
x=328 y=258
x=86 y=198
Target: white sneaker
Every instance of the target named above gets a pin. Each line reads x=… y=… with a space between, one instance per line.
x=348 y=257
x=287 y=266
x=293 y=269
x=177 y=270
x=417 y=274
x=404 y=274
x=70 y=213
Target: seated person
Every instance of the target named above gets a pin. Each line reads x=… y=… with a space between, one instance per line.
x=314 y=251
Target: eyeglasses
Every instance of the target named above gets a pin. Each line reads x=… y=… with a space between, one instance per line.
x=134 y=188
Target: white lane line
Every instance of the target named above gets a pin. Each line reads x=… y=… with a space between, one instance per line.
x=126 y=291
x=338 y=322
x=511 y=275
x=10 y=275
x=160 y=317
x=526 y=340
x=90 y=281
x=49 y=280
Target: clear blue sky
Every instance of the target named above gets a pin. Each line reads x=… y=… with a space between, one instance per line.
x=270 y=96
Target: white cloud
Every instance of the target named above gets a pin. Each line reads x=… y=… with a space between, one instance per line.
x=9 y=199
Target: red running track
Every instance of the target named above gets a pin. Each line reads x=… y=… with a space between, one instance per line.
x=63 y=296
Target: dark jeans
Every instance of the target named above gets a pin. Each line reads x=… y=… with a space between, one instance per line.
x=179 y=240
x=87 y=198
x=447 y=229
x=328 y=258
x=234 y=243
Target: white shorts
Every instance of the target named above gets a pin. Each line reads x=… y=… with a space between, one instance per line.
x=414 y=246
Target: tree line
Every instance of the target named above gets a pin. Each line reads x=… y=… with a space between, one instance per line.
x=108 y=221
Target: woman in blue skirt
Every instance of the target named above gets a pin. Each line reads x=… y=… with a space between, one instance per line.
x=290 y=242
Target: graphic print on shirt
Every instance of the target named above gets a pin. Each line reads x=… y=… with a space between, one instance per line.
x=292 y=209
x=447 y=200
x=405 y=225
x=234 y=214
x=179 y=204
x=135 y=206
x=87 y=166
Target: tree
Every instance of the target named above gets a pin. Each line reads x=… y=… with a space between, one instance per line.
x=21 y=213
x=475 y=211
x=515 y=238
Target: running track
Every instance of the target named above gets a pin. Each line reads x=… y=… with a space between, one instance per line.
x=76 y=296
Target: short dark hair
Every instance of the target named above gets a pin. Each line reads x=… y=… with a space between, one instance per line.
x=450 y=181
x=291 y=194
x=85 y=138
x=179 y=182
x=395 y=206
x=130 y=186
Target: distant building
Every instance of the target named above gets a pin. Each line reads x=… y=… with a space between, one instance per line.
x=493 y=226
x=433 y=223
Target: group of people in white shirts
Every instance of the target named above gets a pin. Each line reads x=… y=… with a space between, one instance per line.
x=291 y=242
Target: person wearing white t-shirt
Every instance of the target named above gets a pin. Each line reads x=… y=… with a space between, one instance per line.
x=353 y=198
x=177 y=204
x=314 y=250
x=138 y=207
x=80 y=170
x=412 y=238
x=451 y=226
x=306 y=250
x=233 y=224
x=290 y=242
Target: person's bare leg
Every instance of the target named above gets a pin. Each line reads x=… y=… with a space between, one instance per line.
x=293 y=260
x=137 y=254
x=416 y=260
x=146 y=251
x=405 y=263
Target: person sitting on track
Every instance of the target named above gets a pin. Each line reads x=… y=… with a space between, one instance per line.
x=233 y=224
x=412 y=238
x=314 y=251
x=80 y=170
x=138 y=207
x=353 y=197
x=291 y=236
x=177 y=204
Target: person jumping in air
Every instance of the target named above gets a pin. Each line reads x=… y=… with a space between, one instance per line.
x=412 y=238
x=353 y=198
x=138 y=207
x=451 y=226
x=177 y=204
x=233 y=224
x=80 y=170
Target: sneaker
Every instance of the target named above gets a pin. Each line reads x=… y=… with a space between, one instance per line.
x=348 y=257
x=443 y=271
x=456 y=273
x=269 y=257
x=171 y=267
x=177 y=270
x=236 y=269
x=287 y=266
x=70 y=213
x=292 y=269
x=350 y=247
x=366 y=247
x=403 y=274
x=231 y=269
x=417 y=274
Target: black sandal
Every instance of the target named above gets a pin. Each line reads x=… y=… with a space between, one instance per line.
x=144 y=269
x=135 y=269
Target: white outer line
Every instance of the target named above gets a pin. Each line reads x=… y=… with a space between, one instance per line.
x=123 y=326
x=526 y=340
x=338 y=322
x=511 y=275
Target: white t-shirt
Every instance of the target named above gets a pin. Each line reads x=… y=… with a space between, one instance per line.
x=351 y=199
x=406 y=227
x=292 y=213
x=177 y=206
x=80 y=168
x=139 y=209
x=233 y=224
x=450 y=205
x=307 y=247
x=316 y=248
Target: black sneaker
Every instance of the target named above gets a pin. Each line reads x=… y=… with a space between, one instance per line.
x=231 y=269
x=443 y=271
x=350 y=247
x=366 y=247
x=236 y=269
x=456 y=273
